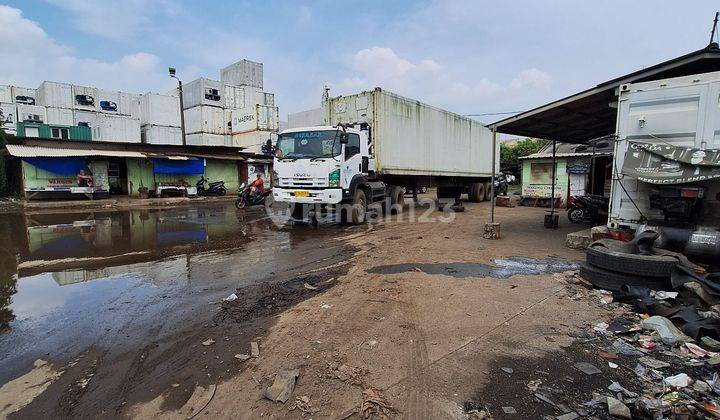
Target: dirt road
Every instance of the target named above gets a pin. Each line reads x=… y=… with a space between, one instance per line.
x=425 y=314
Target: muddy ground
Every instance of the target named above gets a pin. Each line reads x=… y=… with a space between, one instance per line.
x=424 y=313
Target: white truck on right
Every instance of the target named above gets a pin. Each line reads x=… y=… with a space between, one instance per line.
x=666 y=167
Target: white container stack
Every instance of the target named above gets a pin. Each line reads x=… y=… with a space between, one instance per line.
x=243 y=73
x=255 y=118
x=23 y=95
x=205 y=139
x=160 y=119
x=31 y=113
x=205 y=119
x=55 y=95
x=116 y=128
x=203 y=91
x=59 y=116
x=9 y=111
x=6 y=96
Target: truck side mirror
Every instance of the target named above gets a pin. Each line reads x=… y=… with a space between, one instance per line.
x=343 y=138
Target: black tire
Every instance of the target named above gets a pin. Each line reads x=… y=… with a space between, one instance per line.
x=502 y=189
x=576 y=215
x=658 y=266
x=358 y=208
x=488 y=191
x=397 y=198
x=222 y=191
x=240 y=204
x=477 y=192
x=298 y=211
x=611 y=280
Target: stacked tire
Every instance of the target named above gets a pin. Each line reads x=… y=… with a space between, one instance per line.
x=612 y=264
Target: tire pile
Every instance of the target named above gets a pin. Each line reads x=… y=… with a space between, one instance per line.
x=612 y=264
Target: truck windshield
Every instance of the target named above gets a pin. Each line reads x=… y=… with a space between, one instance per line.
x=308 y=145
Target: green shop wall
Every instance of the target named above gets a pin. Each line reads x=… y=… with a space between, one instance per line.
x=140 y=174
x=532 y=186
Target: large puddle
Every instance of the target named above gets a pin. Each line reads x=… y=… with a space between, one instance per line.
x=502 y=268
x=113 y=278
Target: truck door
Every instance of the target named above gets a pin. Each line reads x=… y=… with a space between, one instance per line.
x=353 y=160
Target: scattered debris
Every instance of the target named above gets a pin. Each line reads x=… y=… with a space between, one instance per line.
x=681 y=380
x=375 y=405
x=569 y=416
x=208 y=342
x=308 y=286
x=617 y=408
x=710 y=343
x=254 y=349
x=669 y=334
x=509 y=410
x=534 y=385
x=616 y=387
x=621 y=347
x=231 y=298
x=326 y=306
x=242 y=357
x=283 y=386
x=507 y=370
x=653 y=363
x=587 y=368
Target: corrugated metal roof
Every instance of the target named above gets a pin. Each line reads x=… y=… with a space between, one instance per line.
x=19 y=150
x=571 y=150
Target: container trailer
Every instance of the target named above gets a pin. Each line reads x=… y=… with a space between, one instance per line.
x=374 y=146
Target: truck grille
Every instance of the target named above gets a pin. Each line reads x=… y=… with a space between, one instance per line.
x=303 y=182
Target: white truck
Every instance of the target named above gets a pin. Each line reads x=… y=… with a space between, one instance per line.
x=375 y=146
x=666 y=155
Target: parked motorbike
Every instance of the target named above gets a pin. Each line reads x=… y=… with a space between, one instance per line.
x=214 y=188
x=587 y=208
x=502 y=181
x=247 y=198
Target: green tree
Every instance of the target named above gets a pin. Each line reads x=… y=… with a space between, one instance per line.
x=510 y=154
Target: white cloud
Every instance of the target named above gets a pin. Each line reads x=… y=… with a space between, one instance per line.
x=432 y=82
x=117 y=20
x=31 y=56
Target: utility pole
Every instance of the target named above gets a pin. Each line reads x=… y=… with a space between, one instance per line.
x=714 y=28
x=171 y=70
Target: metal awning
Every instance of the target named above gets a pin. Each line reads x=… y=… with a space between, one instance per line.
x=592 y=113
x=21 y=151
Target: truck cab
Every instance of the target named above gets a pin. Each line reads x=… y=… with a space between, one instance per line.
x=321 y=165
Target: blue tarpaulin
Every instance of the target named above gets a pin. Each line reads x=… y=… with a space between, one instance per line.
x=60 y=166
x=177 y=167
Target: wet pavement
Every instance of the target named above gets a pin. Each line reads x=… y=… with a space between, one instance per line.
x=502 y=268
x=114 y=279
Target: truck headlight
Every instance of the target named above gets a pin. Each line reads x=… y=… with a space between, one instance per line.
x=334 y=178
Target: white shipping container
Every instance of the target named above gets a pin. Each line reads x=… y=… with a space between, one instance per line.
x=205 y=139
x=202 y=91
x=255 y=118
x=243 y=73
x=84 y=97
x=6 y=95
x=269 y=99
x=108 y=101
x=159 y=134
x=129 y=104
x=31 y=113
x=253 y=96
x=205 y=119
x=86 y=118
x=9 y=112
x=682 y=111
x=233 y=96
x=158 y=109
x=309 y=118
x=116 y=128
x=413 y=138
x=252 y=142
x=54 y=94
x=23 y=95
x=60 y=116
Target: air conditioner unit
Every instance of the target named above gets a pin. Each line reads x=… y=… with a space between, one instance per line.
x=33 y=118
x=84 y=100
x=108 y=106
x=212 y=94
x=27 y=100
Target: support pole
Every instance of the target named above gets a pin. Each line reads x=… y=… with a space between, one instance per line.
x=492 y=177
x=552 y=188
x=592 y=170
x=182 y=113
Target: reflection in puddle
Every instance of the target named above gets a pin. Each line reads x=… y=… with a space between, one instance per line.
x=503 y=268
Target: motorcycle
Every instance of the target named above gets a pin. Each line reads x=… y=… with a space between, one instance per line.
x=587 y=208
x=247 y=198
x=502 y=181
x=214 y=188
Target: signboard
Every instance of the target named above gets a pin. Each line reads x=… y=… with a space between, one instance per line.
x=541 y=191
x=666 y=164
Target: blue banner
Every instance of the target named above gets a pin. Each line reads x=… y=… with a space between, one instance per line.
x=179 y=167
x=59 y=166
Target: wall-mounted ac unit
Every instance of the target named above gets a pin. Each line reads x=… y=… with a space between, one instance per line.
x=84 y=100
x=34 y=118
x=23 y=99
x=212 y=94
x=108 y=106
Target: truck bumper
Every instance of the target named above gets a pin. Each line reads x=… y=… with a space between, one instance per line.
x=325 y=196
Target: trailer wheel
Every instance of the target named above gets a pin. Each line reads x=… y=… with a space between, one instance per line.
x=614 y=281
x=359 y=207
x=298 y=211
x=477 y=192
x=397 y=199
x=488 y=191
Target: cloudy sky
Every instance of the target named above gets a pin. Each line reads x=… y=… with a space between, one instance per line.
x=468 y=56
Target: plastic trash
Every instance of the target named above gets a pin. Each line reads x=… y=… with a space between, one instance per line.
x=587 y=368
x=669 y=334
x=231 y=298
x=681 y=380
x=617 y=408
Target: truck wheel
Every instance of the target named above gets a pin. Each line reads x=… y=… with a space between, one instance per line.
x=477 y=192
x=359 y=207
x=488 y=191
x=298 y=211
x=397 y=199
